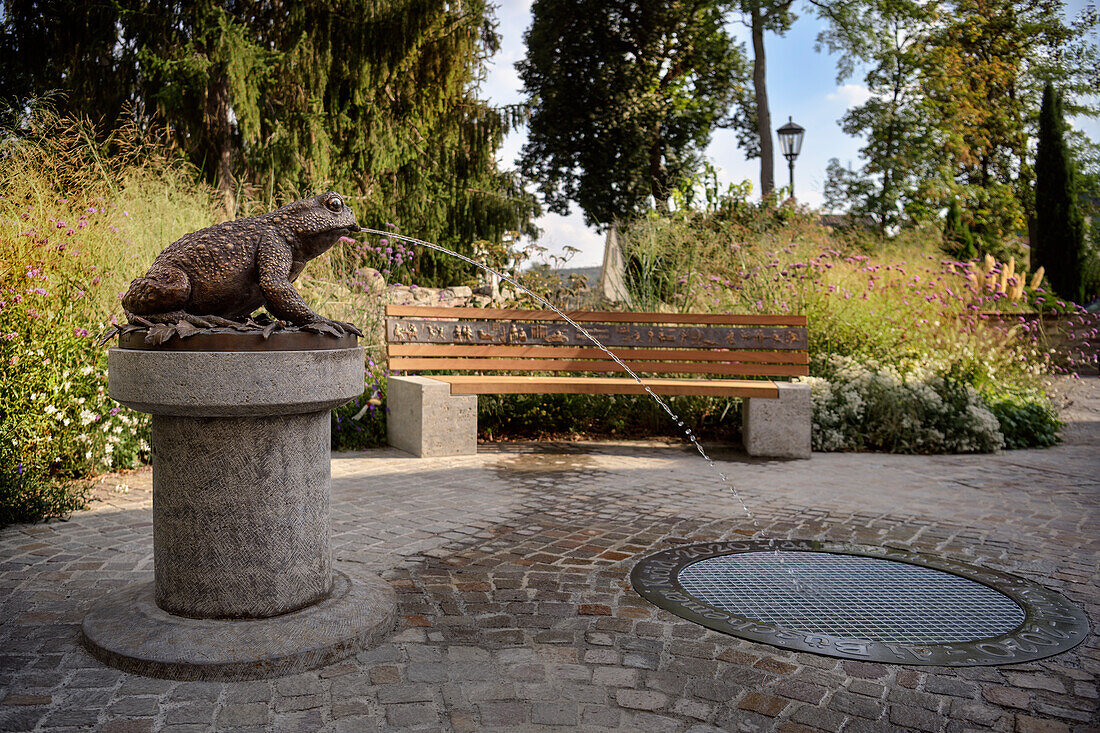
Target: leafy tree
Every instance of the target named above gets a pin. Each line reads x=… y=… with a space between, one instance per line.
x=957 y=237
x=624 y=97
x=375 y=97
x=886 y=36
x=955 y=88
x=1059 y=244
x=982 y=77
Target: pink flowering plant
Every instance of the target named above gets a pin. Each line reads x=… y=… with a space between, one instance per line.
x=900 y=334
x=76 y=224
x=361 y=423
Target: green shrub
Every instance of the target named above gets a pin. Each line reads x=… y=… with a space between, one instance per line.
x=1027 y=416
x=621 y=416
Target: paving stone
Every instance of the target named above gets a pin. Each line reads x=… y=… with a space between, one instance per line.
x=190 y=713
x=554 y=713
x=977 y=713
x=1007 y=697
x=404 y=715
x=388 y=694
x=802 y=691
x=20 y=719
x=914 y=698
x=1028 y=724
x=867 y=688
x=857 y=705
x=134 y=706
x=15 y=698
x=357 y=724
x=914 y=718
x=304 y=721
x=256 y=691
x=196 y=691
x=938 y=685
x=758 y=702
x=353 y=707
x=298 y=685
x=599 y=716
x=641 y=699
x=865 y=670
x=243 y=714
x=653 y=723
x=298 y=703
x=502 y=713
x=1036 y=682
x=142 y=725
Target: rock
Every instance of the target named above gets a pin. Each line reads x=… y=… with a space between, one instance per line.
x=374 y=282
x=457 y=291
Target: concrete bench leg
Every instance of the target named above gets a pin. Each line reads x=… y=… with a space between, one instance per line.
x=425 y=419
x=779 y=428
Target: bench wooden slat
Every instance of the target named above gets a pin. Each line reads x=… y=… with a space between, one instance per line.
x=518 y=314
x=578 y=365
x=472 y=384
x=581 y=352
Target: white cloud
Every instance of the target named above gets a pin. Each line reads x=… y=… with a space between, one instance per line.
x=851 y=94
x=562 y=231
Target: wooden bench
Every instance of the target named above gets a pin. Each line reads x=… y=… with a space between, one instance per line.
x=437 y=415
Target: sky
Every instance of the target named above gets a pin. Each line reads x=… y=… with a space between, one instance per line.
x=801 y=85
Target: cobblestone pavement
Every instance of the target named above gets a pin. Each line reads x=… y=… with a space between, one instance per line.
x=516 y=611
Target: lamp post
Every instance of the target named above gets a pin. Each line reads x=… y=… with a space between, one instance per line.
x=790 y=141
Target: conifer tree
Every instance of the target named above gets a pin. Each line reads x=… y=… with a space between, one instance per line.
x=1059 y=244
x=375 y=98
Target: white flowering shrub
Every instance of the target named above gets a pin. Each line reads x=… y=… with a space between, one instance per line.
x=57 y=424
x=908 y=409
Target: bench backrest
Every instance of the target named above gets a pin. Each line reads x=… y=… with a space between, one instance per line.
x=423 y=338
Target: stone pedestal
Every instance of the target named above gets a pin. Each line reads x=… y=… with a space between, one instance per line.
x=244 y=584
x=425 y=419
x=779 y=428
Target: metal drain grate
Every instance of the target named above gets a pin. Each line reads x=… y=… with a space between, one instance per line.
x=871 y=603
x=851 y=596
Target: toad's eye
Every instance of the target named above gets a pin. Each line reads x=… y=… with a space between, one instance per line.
x=334 y=204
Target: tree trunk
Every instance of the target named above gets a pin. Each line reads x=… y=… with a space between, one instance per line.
x=657 y=187
x=763 y=113
x=221 y=140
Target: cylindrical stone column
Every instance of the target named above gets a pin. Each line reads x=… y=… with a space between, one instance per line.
x=241 y=514
x=240 y=473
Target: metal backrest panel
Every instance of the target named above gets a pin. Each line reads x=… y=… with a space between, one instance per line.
x=517 y=314
x=422 y=330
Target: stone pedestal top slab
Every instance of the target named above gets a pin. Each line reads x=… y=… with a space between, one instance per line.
x=234 y=383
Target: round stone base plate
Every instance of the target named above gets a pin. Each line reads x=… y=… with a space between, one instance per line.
x=126 y=629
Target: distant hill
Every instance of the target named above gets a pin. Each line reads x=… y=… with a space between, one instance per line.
x=591 y=275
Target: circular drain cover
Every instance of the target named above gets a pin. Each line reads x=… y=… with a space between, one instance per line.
x=870 y=603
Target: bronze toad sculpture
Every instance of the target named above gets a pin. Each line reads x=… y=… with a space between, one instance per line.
x=219 y=275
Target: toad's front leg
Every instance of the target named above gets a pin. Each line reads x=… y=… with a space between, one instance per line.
x=274 y=262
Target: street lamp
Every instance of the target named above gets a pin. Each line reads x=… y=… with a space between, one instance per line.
x=790 y=140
